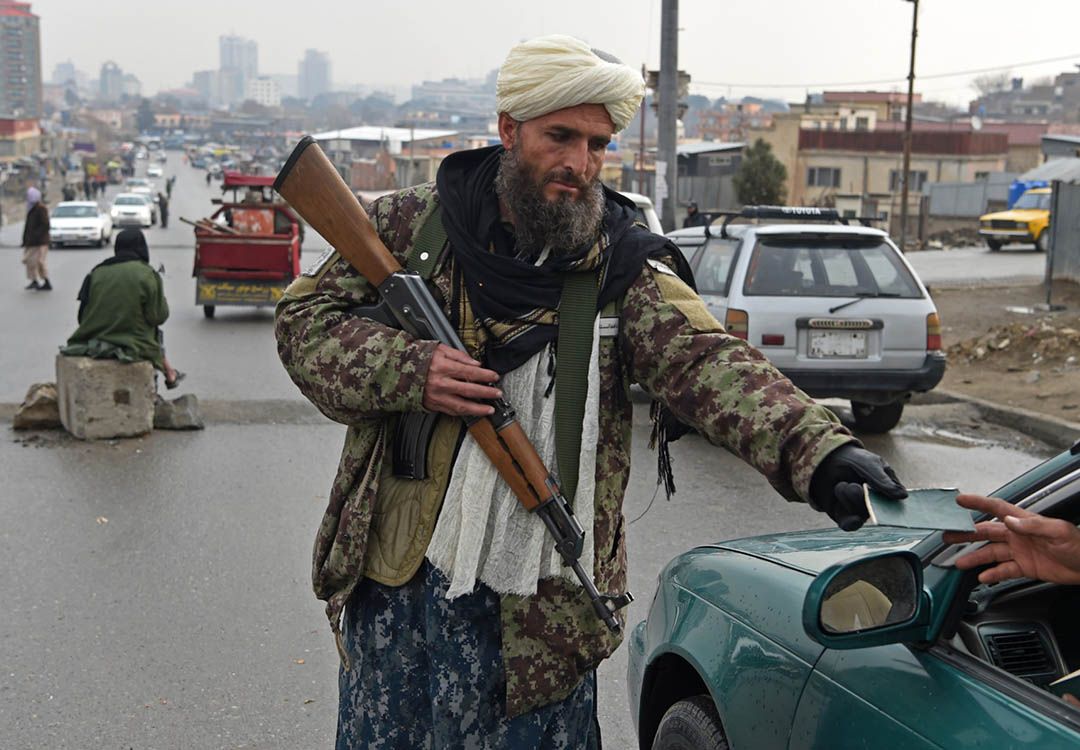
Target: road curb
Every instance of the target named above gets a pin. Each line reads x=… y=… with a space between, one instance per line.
x=1054 y=431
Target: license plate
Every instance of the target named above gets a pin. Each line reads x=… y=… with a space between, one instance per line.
x=827 y=344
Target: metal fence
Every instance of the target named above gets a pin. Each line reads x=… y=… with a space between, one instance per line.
x=970 y=199
x=1063 y=258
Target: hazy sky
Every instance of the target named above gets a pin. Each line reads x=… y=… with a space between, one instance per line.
x=400 y=42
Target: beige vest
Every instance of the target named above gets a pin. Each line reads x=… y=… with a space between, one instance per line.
x=405 y=511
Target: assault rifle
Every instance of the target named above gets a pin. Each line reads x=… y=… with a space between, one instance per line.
x=313 y=187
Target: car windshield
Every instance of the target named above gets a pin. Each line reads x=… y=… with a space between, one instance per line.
x=76 y=212
x=129 y=200
x=712 y=272
x=828 y=267
x=1033 y=200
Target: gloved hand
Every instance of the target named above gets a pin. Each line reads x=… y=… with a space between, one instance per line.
x=836 y=486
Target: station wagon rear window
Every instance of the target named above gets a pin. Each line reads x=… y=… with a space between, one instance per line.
x=799 y=267
x=129 y=200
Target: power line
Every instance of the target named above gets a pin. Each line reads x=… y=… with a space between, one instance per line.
x=882 y=82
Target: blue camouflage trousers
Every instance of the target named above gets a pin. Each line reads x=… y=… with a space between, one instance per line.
x=427 y=673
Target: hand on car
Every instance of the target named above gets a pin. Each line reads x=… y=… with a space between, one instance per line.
x=457 y=384
x=836 y=486
x=1022 y=544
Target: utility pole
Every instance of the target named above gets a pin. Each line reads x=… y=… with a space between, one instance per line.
x=668 y=95
x=907 y=129
x=641 y=143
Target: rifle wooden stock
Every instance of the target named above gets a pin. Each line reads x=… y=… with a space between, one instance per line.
x=312 y=186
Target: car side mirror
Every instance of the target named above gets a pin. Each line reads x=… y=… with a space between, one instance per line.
x=870 y=601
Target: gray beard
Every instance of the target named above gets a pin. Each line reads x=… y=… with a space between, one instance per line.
x=563 y=226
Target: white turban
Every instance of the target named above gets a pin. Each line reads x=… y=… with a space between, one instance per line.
x=554 y=72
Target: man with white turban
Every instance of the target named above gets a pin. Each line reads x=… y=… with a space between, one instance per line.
x=457 y=623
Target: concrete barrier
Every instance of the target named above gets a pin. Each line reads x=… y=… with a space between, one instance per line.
x=105 y=398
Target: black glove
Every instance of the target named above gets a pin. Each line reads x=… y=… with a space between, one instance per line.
x=836 y=486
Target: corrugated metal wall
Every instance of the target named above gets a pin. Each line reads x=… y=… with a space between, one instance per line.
x=1063 y=258
x=969 y=199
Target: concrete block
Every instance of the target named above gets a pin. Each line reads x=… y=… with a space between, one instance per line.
x=105 y=398
x=39 y=410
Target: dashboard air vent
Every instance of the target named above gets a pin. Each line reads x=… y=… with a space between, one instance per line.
x=1023 y=653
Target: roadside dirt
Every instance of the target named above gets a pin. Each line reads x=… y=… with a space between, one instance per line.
x=1002 y=350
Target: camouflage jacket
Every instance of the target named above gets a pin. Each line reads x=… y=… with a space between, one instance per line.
x=359 y=372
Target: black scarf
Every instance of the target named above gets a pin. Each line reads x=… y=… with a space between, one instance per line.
x=504 y=289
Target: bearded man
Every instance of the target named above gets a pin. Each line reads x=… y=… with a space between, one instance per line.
x=457 y=623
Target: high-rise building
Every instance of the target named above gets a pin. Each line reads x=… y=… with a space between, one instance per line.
x=314 y=74
x=111 y=82
x=64 y=72
x=20 y=43
x=238 y=63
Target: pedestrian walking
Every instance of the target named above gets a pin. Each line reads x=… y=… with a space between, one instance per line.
x=163 y=209
x=457 y=622
x=169 y=186
x=35 y=241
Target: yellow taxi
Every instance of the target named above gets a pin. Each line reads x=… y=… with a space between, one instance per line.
x=1027 y=221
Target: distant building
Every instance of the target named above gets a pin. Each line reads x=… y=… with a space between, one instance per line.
x=131 y=86
x=288 y=84
x=208 y=84
x=19 y=138
x=313 y=74
x=456 y=94
x=20 y=43
x=264 y=90
x=111 y=82
x=238 y=63
x=64 y=72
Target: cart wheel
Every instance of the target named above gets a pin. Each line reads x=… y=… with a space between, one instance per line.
x=208 y=311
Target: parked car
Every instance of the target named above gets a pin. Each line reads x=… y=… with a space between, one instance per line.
x=836 y=308
x=79 y=223
x=154 y=170
x=1027 y=221
x=132 y=210
x=646 y=211
x=870 y=639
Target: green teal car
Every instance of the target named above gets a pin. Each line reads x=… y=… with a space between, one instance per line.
x=871 y=639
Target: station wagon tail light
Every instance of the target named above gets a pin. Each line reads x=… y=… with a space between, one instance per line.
x=737 y=323
x=772 y=339
x=933 y=332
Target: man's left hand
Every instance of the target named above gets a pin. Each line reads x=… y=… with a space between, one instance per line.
x=836 y=486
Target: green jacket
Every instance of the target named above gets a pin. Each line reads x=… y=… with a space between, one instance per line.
x=123 y=303
x=361 y=373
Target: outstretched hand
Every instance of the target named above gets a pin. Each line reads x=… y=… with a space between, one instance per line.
x=457 y=384
x=837 y=484
x=1022 y=544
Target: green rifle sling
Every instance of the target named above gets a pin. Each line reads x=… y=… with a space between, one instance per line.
x=428 y=247
x=577 y=311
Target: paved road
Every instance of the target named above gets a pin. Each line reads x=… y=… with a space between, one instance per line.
x=978 y=265
x=231 y=357
x=156 y=590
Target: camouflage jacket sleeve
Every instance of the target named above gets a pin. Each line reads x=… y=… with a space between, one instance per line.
x=722 y=386
x=350 y=367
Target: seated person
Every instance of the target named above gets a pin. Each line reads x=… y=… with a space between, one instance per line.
x=121 y=304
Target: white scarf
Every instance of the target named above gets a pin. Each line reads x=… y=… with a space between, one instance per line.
x=483 y=533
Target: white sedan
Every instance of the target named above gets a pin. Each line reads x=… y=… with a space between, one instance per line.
x=79 y=223
x=131 y=210
x=154 y=170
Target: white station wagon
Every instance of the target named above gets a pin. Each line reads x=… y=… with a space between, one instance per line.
x=836 y=308
x=79 y=223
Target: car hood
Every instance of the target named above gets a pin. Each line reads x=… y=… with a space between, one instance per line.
x=813 y=551
x=1017 y=214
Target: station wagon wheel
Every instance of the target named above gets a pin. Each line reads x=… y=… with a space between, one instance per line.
x=691 y=724
x=1042 y=243
x=994 y=245
x=208 y=311
x=876 y=418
